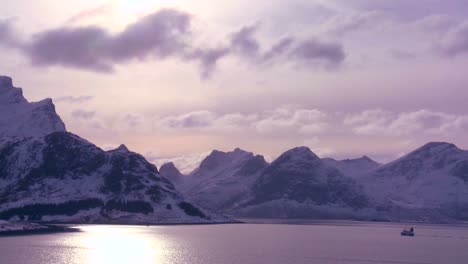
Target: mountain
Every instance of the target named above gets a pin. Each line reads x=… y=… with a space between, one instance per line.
x=298 y=184
x=170 y=172
x=19 y=118
x=222 y=179
x=428 y=183
x=49 y=174
x=353 y=167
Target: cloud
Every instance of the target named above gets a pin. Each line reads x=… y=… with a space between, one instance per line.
x=404 y=9
x=386 y=123
x=160 y=35
x=197 y=119
x=84 y=48
x=290 y=119
x=344 y=23
x=89 y=13
x=8 y=37
x=73 y=99
x=133 y=121
x=314 y=144
x=278 y=49
x=455 y=41
x=165 y=34
x=280 y=121
x=208 y=58
x=313 y=51
x=435 y=23
x=244 y=42
x=82 y=114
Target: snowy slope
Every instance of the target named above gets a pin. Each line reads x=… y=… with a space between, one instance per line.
x=170 y=172
x=19 y=118
x=300 y=184
x=353 y=167
x=62 y=177
x=51 y=175
x=222 y=179
x=430 y=182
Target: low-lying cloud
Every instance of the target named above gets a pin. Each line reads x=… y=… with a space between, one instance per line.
x=73 y=99
x=387 y=123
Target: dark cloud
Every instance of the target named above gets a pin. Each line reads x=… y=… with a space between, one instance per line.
x=8 y=37
x=73 y=99
x=313 y=51
x=161 y=35
x=244 y=42
x=278 y=49
x=85 y=48
x=208 y=59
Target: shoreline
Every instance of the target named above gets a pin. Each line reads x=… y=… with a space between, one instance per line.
x=46 y=229
x=70 y=227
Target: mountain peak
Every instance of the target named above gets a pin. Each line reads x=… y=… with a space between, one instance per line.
x=169 y=166
x=10 y=94
x=123 y=148
x=301 y=152
x=218 y=158
x=170 y=171
x=25 y=119
x=6 y=81
x=296 y=157
x=446 y=145
x=435 y=148
x=364 y=158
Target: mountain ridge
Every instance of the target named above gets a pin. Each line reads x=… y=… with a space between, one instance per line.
x=49 y=174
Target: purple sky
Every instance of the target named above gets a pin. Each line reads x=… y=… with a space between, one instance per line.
x=175 y=79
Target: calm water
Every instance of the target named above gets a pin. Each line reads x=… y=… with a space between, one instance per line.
x=241 y=243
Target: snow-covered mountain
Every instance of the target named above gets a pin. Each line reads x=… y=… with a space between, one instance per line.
x=299 y=184
x=49 y=174
x=19 y=118
x=428 y=183
x=222 y=179
x=353 y=167
x=170 y=172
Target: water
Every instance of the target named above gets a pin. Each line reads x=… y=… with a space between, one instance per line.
x=322 y=243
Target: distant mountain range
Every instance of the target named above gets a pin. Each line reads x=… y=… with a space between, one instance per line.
x=49 y=174
x=428 y=184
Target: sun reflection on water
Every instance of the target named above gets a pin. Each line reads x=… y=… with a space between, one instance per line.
x=119 y=245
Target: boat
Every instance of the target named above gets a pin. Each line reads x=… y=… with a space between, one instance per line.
x=407 y=232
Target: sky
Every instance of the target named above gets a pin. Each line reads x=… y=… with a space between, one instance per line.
x=174 y=80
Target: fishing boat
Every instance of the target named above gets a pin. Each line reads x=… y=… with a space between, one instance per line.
x=408 y=232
